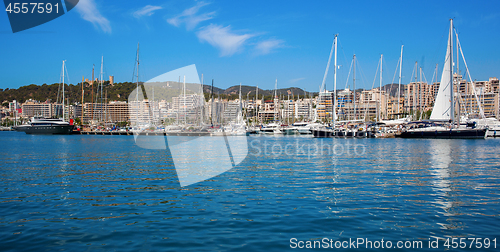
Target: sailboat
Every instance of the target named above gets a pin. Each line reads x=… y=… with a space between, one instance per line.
x=358 y=131
x=274 y=127
x=442 y=120
x=237 y=128
x=398 y=121
x=322 y=131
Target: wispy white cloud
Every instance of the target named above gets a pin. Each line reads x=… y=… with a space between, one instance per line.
x=223 y=38
x=89 y=12
x=296 y=80
x=267 y=46
x=190 y=17
x=227 y=41
x=147 y=10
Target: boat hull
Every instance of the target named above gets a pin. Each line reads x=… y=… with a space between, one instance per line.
x=49 y=130
x=291 y=131
x=445 y=134
x=322 y=133
x=493 y=132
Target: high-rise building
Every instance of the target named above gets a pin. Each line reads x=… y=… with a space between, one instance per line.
x=33 y=108
x=325 y=105
x=115 y=111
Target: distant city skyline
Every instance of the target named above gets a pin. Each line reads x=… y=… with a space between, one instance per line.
x=254 y=43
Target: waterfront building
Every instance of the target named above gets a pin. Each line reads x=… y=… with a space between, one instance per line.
x=325 y=106
x=215 y=111
x=163 y=108
x=288 y=110
x=304 y=109
x=373 y=103
x=74 y=111
x=489 y=102
x=345 y=98
x=115 y=111
x=268 y=111
x=33 y=108
x=462 y=85
x=231 y=111
x=14 y=105
x=392 y=107
x=419 y=96
x=141 y=112
x=188 y=108
x=94 y=112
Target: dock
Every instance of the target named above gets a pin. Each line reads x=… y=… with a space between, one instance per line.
x=143 y=133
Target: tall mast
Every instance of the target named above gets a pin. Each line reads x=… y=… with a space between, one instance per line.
x=288 y=109
x=420 y=94
x=64 y=110
x=184 y=87
x=152 y=105
x=102 y=61
x=400 y=67
x=105 y=106
x=92 y=96
x=240 y=112
x=458 y=58
x=137 y=56
x=275 y=97
x=212 y=104
x=137 y=83
x=415 y=95
x=380 y=91
x=434 y=97
x=202 y=100
x=450 y=38
x=322 y=88
x=82 y=99
x=334 y=84
x=255 y=105
x=354 y=82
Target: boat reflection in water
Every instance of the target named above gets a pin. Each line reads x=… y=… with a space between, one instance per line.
x=440 y=161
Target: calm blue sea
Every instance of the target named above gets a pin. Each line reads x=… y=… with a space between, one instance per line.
x=82 y=193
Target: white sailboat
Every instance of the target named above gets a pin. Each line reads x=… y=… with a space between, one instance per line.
x=320 y=130
x=398 y=121
x=237 y=128
x=443 y=114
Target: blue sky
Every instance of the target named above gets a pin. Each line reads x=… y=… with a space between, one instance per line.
x=252 y=42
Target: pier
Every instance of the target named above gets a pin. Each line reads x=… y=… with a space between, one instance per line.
x=152 y=133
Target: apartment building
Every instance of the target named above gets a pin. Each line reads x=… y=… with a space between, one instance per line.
x=33 y=108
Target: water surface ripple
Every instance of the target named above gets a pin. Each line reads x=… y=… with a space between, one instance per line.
x=103 y=192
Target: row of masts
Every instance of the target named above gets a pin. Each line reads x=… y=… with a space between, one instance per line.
x=100 y=90
x=417 y=72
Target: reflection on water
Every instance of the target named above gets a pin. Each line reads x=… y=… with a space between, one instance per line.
x=104 y=192
x=440 y=152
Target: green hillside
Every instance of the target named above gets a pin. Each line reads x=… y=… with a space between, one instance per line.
x=121 y=91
